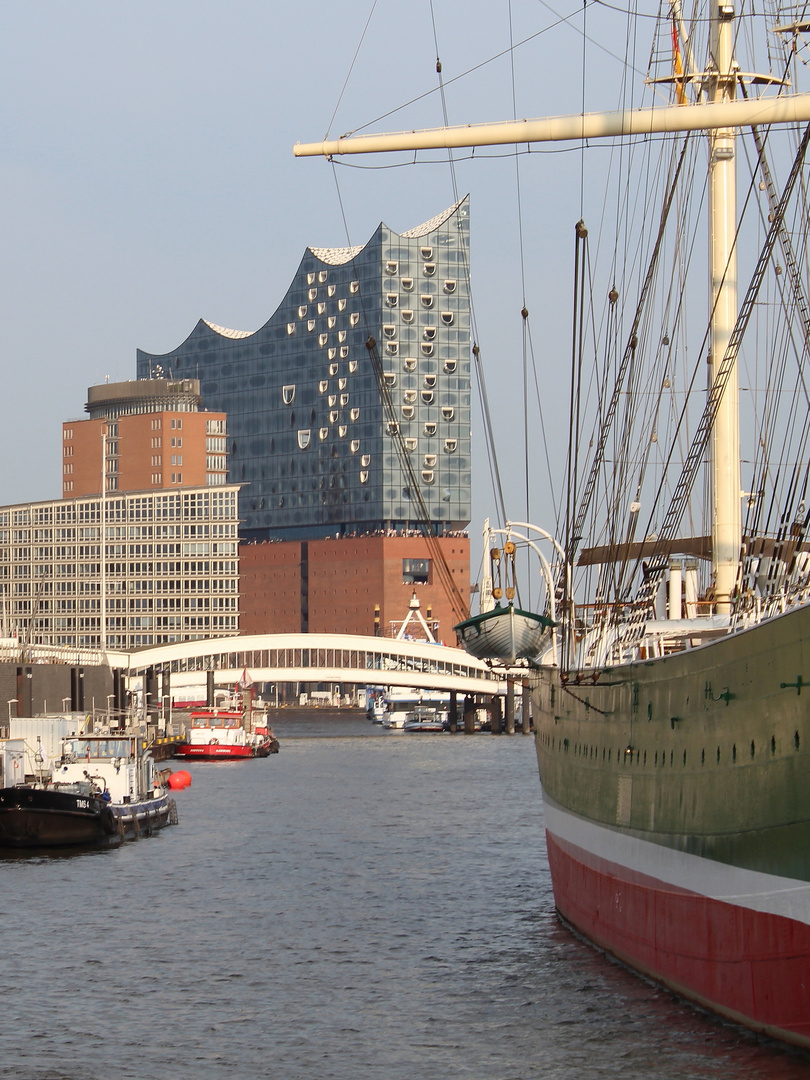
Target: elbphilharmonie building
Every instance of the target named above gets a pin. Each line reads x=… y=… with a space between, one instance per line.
x=349 y=410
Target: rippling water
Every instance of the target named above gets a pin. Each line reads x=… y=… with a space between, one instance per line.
x=363 y=905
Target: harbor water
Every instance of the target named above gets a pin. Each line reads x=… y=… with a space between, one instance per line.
x=365 y=904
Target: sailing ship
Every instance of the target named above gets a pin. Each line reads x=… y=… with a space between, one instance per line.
x=674 y=752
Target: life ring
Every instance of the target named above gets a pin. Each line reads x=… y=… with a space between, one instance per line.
x=109 y=821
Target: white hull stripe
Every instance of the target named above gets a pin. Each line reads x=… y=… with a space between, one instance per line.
x=718 y=881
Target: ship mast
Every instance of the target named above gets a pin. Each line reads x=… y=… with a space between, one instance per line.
x=719 y=117
x=725 y=463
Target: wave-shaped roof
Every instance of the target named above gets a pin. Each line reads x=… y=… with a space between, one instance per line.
x=225 y=332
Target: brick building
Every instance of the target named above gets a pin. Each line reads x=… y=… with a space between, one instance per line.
x=354 y=585
x=155 y=435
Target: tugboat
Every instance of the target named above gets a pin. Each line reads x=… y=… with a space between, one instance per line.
x=221 y=735
x=104 y=790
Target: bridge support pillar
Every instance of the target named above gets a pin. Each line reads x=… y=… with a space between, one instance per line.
x=510 y=706
x=453 y=717
x=526 y=722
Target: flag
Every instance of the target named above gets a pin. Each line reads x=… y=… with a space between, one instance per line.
x=678 y=66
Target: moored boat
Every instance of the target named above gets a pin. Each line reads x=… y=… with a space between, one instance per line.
x=673 y=752
x=103 y=790
x=221 y=735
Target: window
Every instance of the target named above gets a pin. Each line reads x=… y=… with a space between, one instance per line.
x=427 y=397
x=352 y=366
x=427 y=301
x=450 y=365
x=407 y=283
x=354 y=318
x=430 y=461
x=363 y=476
x=427 y=348
x=427 y=476
x=416 y=571
x=450 y=446
x=354 y=414
x=427 y=252
x=447 y=318
x=354 y=286
x=410 y=444
x=341 y=384
x=302 y=311
x=330 y=291
x=290 y=327
x=310 y=325
x=450 y=285
x=390 y=378
x=429 y=333
x=407 y=315
x=333 y=369
x=430 y=429
x=391 y=267
x=355 y=445
x=430 y=269
x=344 y=351
x=389 y=330
x=391 y=348
x=410 y=365
x=303 y=438
x=448 y=412
x=407 y=412
x=331 y=353
x=392 y=299
x=288 y=394
x=322 y=386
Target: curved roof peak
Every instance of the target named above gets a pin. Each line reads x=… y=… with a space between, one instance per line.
x=336 y=256
x=434 y=222
x=225 y=332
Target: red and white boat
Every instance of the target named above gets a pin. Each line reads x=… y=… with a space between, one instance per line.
x=221 y=735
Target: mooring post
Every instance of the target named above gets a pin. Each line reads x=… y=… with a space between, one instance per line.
x=510 y=705
x=469 y=715
x=453 y=712
x=496 y=714
x=526 y=722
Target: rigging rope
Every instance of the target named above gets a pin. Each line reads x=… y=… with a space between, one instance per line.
x=657 y=563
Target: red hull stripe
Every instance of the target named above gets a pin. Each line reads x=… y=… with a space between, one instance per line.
x=746 y=965
x=645 y=861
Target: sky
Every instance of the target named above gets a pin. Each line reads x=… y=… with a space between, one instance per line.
x=148 y=178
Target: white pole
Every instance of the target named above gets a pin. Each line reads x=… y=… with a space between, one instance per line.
x=721 y=113
x=725 y=466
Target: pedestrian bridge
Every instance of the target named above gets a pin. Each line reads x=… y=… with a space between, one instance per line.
x=317 y=658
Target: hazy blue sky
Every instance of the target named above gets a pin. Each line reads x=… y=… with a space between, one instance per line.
x=148 y=179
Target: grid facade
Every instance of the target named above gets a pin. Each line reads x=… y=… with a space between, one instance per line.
x=167 y=570
x=330 y=436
